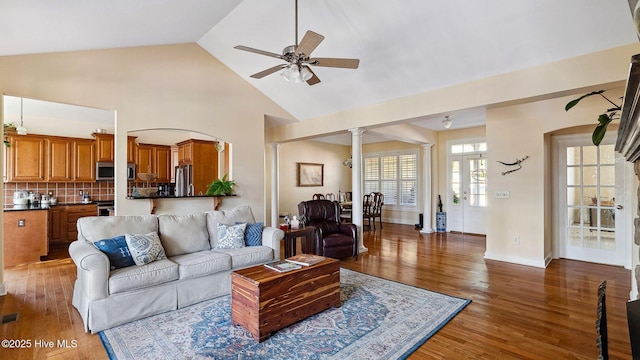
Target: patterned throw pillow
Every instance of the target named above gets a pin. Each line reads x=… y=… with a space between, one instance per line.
x=231 y=236
x=253 y=234
x=145 y=248
x=117 y=250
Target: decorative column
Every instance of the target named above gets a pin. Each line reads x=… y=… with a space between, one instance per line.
x=275 y=203
x=427 y=197
x=356 y=184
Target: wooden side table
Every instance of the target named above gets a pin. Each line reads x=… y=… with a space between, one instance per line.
x=290 y=237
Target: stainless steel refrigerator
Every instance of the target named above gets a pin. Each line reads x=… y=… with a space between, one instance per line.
x=184 y=180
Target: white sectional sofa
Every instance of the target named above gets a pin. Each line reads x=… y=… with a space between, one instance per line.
x=194 y=269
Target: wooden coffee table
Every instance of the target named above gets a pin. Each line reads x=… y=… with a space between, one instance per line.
x=264 y=301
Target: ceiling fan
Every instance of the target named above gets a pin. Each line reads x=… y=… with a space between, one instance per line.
x=298 y=58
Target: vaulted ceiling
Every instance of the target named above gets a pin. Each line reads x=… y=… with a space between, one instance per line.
x=405 y=46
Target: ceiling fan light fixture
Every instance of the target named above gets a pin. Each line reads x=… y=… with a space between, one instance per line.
x=447 y=122
x=291 y=73
x=305 y=73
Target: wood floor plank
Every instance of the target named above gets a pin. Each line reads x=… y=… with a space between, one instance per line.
x=517 y=312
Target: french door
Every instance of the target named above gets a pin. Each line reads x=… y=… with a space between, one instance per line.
x=592 y=207
x=467 y=197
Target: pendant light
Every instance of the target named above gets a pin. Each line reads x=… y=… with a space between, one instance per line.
x=21 y=130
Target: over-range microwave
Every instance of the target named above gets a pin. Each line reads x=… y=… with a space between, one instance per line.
x=106 y=171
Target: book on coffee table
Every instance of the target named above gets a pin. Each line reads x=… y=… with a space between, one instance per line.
x=305 y=259
x=282 y=266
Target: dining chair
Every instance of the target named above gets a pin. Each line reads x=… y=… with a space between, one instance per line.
x=330 y=197
x=376 y=209
x=367 y=205
x=318 y=197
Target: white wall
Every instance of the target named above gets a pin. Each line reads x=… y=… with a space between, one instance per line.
x=337 y=177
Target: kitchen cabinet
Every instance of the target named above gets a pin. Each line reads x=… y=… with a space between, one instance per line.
x=155 y=159
x=75 y=212
x=40 y=158
x=185 y=151
x=25 y=237
x=162 y=162
x=104 y=147
x=57 y=225
x=203 y=156
x=131 y=149
x=84 y=162
x=25 y=158
x=60 y=156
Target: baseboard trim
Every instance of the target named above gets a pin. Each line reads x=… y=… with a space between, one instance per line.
x=539 y=263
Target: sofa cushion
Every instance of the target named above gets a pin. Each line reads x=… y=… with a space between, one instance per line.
x=145 y=248
x=137 y=277
x=117 y=251
x=94 y=228
x=253 y=234
x=248 y=256
x=231 y=236
x=201 y=263
x=227 y=217
x=183 y=234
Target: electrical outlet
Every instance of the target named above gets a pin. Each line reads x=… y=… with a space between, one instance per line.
x=516 y=240
x=21 y=222
x=501 y=195
x=80 y=192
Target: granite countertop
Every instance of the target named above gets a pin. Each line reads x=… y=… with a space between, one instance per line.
x=11 y=207
x=22 y=208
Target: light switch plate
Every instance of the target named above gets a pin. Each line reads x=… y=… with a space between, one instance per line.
x=502 y=195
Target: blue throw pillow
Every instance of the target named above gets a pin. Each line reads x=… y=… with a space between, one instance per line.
x=117 y=250
x=253 y=234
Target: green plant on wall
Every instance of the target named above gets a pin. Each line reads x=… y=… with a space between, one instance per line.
x=221 y=186
x=603 y=119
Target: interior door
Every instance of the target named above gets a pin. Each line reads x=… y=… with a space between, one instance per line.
x=591 y=193
x=468 y=194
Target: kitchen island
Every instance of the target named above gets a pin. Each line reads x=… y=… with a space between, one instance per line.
x=25 y=235
x=29 y=230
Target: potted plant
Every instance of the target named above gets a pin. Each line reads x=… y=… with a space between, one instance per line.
x=8 y=127
x=603 y=120
x=221 y=186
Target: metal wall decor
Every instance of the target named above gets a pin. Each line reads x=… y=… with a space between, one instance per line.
x=516 y=163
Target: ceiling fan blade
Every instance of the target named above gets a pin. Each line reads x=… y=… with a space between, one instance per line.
x=335 y=62
x=269 y=71
x=309 y=42
x=313 y=79
x=261 y=52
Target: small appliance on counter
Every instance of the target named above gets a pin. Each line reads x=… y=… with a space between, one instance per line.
x=86 y=199
x=34 y=199
x=20 y=197
x=45 y=201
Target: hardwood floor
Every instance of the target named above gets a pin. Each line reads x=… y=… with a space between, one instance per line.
x=517 y=312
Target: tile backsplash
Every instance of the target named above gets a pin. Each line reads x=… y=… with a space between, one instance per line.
x=64 y=192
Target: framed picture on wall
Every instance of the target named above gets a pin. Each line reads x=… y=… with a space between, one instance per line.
x=310 y=174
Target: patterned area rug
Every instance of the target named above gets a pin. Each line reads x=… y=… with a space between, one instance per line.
x=379 y=319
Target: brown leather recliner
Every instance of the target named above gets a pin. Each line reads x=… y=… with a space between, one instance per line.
x=332 y=239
